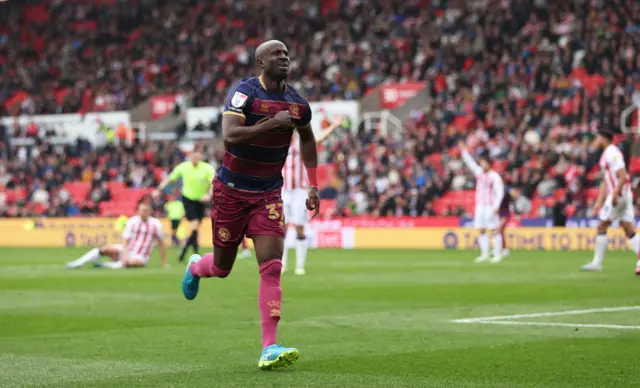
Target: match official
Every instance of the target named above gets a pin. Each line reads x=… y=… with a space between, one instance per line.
x=197 y=177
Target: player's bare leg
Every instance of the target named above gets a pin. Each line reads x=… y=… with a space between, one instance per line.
x=600 y=247
x=269 y=253
x=301 y=250
x=212 y=265
x=497 y=246
x=502 y=229
x=110 y=250
x=483 y=242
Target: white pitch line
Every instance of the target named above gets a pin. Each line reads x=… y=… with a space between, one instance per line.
x=559 y=324
x=540 y=315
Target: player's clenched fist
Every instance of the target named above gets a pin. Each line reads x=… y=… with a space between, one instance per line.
x=282 y=119
x=313 y=201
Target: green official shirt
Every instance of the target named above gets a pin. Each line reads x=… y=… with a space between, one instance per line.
x=174 y=209
x=195 y=179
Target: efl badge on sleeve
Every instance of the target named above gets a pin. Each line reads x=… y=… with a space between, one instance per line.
x=238 y=99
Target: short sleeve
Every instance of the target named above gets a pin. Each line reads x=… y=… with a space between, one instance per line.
x=238 y=100
x=177 y=172
x=615 y=161
x=304 y=117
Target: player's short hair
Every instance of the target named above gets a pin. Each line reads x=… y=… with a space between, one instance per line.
x=145 y=200
x=606 y=134
x=485 y=156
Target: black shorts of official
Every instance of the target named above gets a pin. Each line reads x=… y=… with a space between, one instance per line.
x=175 y=224
x=193 y=210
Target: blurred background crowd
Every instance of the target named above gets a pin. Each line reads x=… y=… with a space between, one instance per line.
x=495 y=70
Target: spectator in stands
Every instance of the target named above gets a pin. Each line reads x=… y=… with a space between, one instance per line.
x=522 y=204
x=99 y=192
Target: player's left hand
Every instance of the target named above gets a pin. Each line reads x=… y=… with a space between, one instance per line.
x=206 y=199
x=313 y=201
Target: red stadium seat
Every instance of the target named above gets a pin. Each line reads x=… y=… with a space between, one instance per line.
x=78 y=190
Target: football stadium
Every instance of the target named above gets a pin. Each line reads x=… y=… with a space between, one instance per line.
x=477 y=175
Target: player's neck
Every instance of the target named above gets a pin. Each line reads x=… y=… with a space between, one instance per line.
x=272 y=85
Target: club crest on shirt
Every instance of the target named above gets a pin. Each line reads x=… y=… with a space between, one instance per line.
x=224 y=234
x=238 y=99
x=294 y=111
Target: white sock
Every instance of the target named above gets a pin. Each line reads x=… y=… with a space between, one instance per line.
x=600 y=247
x=634 y=243
x=285 y=256
x=483 y=241
x=497 y=245
x=301 y=253
x=89 y=257
x=113 y=264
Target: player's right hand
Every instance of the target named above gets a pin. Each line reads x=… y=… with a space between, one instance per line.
x=282 y=119
x=313 y=201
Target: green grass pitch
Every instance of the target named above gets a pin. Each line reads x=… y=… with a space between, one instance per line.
x=359 y=319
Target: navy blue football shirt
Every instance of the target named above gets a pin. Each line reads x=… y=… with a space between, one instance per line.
x=257 y=165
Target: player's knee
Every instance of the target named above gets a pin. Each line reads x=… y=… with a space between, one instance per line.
x=272 y=268
x=221 y=273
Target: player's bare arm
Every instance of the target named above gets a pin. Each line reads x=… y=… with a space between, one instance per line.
x=163 y=253
x=309 y=153
x=125 y=252
x=234 y=130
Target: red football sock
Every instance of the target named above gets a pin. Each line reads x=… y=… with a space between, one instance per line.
x=206 y=268
x=270 y=300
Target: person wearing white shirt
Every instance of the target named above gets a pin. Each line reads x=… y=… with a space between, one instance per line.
x=141 y=235
x=614 y=202
x=489 y=194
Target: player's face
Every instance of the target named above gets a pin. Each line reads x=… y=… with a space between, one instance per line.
x=484 y=163
x=600 y=141
x=144 y=210
x=276 y=61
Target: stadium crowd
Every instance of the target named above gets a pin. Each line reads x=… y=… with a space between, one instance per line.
x=497 y=70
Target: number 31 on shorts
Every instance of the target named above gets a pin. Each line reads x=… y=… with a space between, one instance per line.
x=274 y=214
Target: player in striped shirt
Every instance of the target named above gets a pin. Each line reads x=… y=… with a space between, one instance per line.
x=614 y=202
x=489 y=195
x=294 y=197
x=141 y=234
